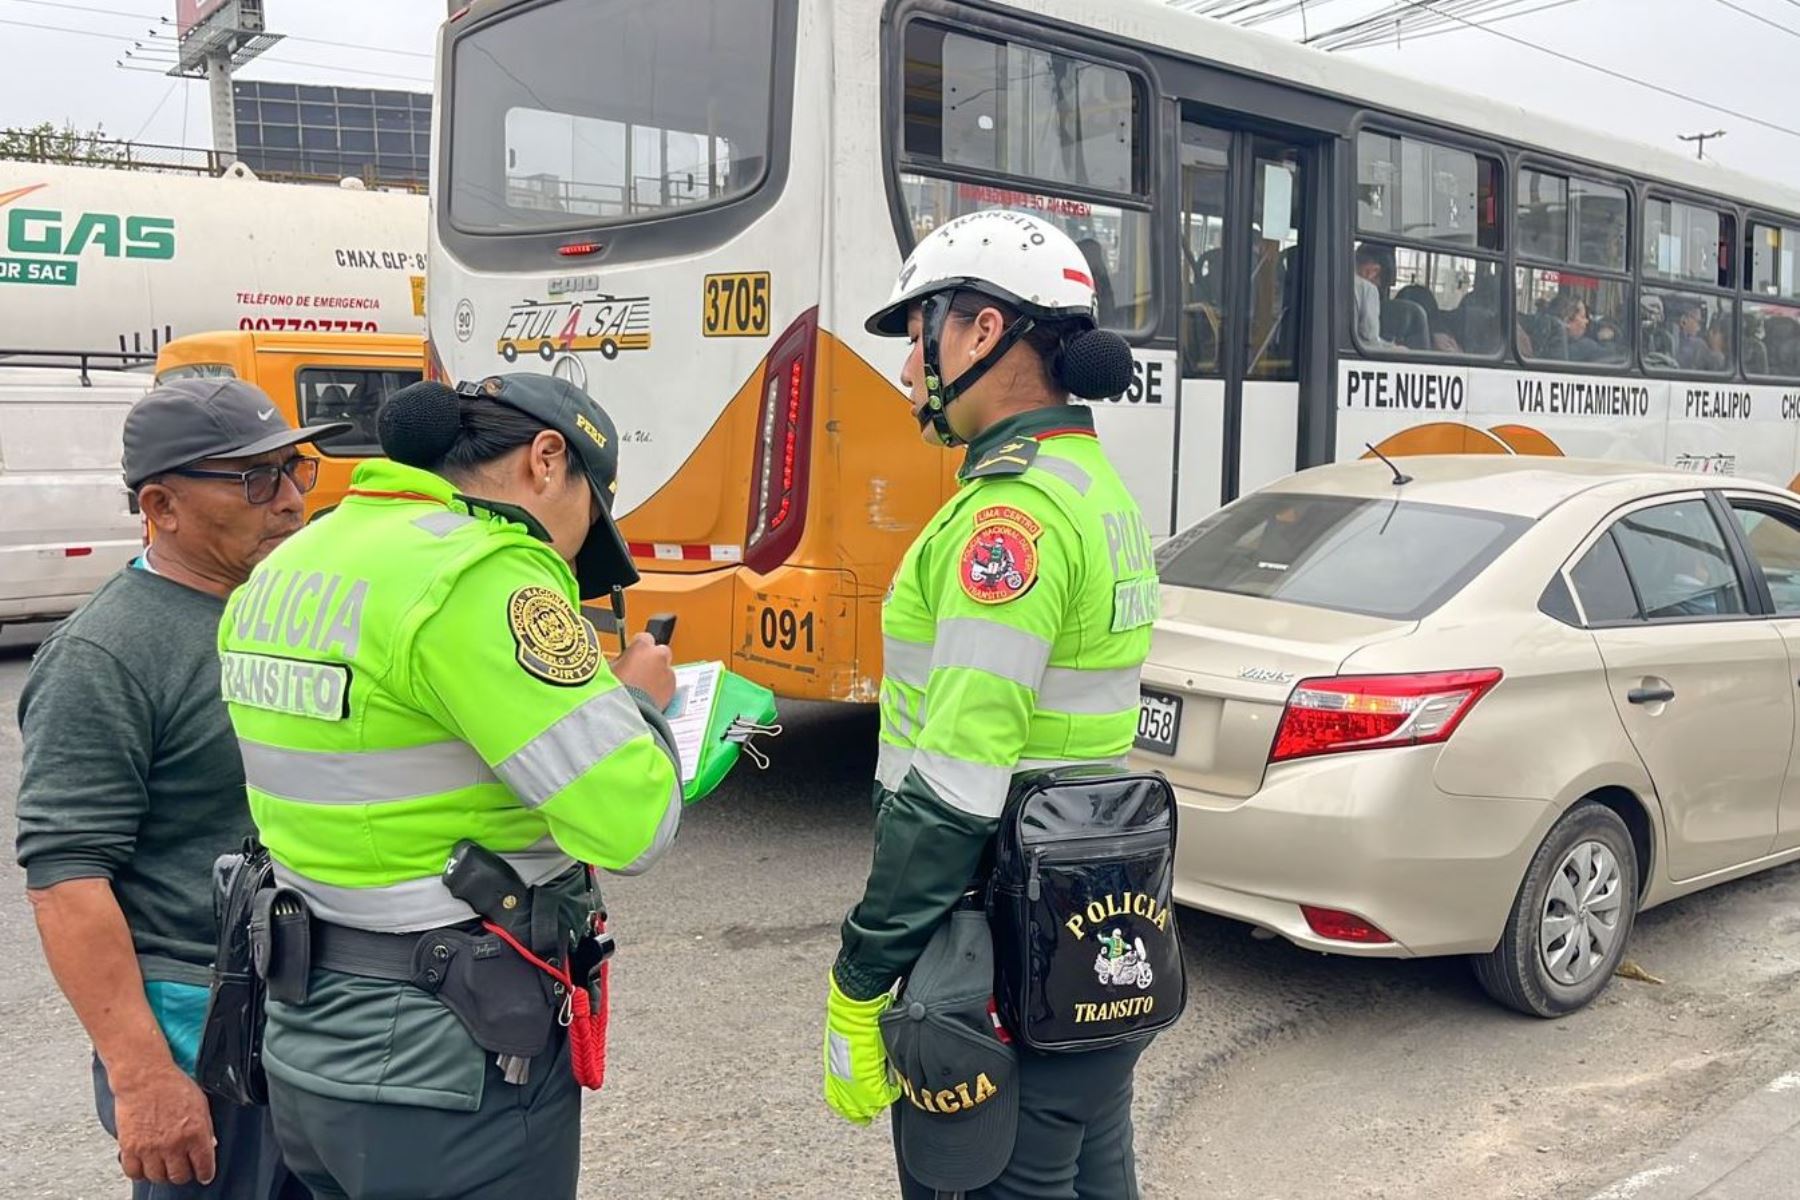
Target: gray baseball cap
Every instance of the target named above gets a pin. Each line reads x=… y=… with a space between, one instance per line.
x=181 y=422
x=959 y=1078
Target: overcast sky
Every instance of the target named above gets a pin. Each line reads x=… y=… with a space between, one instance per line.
x=1698 y=47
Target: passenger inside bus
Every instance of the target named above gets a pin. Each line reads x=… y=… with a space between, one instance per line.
x=1437 y=321
x=1370 y=286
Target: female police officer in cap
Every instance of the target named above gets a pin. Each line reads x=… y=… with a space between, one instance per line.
x=1003 y=653
x=407 y=673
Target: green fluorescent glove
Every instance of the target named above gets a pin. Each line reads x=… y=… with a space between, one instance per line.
x=857 y=1084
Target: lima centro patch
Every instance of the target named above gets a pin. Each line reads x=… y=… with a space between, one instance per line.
x=555 y=643
x=1000 y=561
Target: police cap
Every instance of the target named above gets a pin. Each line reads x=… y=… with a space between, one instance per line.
x=959 y=1081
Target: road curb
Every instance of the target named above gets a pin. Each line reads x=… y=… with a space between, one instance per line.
x=1751 y=1151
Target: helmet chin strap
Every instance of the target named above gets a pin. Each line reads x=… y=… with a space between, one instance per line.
x=933 y=314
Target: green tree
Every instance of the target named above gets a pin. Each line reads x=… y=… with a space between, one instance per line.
x=44 y=142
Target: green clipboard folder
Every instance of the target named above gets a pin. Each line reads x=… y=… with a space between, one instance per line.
x=714 y=716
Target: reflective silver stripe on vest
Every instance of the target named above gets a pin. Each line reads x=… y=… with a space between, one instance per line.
x=665 y=833
x=1045 y=764
x=991 y=646
x=414 y=904
x=1088 y=693
x=893 y=762
x=975 y=788
x=443 y=524
x=906 y=662
x=1066 y=471
x=891 y=765
x=362 y=777
x=567 y=750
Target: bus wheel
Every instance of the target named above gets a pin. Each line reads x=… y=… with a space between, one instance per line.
x=546 y=351
x=609 y=349
x=509 y=352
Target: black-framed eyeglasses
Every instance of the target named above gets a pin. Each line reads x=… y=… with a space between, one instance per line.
x=261 y=483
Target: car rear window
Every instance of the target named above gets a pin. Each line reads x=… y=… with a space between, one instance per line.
x=1382 y=558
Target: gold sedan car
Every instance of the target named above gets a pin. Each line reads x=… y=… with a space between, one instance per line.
x=1475 y=705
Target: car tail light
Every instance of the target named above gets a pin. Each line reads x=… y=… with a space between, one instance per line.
x=1342 y=926
x=1369 y=712
x=434 y=366
x=783 y=447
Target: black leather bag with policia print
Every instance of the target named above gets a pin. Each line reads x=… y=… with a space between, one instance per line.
x=1079 y=900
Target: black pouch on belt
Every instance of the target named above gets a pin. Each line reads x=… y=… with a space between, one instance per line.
x=281 y=944
x=504 y=1002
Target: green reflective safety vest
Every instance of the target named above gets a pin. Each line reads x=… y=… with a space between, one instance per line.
x=1013 y=636
x=413 y=670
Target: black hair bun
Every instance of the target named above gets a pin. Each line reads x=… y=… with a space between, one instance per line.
x=419 y=423
x=1095 y=364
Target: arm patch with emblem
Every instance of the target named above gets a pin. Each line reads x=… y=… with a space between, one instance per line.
x=555 y=643
x=1000 y=560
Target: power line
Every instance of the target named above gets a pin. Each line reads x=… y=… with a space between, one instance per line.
x=1396 y=21
x=291 y=37
x=1738 y=8
x=165 y=99
x=292 y=62
x=1620 y=75
x=1361 y=40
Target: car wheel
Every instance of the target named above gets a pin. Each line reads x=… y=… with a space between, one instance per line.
x=509 y=352
x=546 y=351
x=609 y=349
x=1571 y=919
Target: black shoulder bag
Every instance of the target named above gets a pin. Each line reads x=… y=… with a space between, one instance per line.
x=1080 y=902
x=230 y=1059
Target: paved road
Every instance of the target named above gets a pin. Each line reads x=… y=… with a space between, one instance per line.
x=1293 y=1076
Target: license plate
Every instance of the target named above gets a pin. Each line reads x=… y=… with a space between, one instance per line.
x=1159 y=721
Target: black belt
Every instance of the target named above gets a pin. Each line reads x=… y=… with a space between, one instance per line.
x=364 y=952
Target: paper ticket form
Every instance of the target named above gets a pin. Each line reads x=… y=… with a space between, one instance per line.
x=690 y=712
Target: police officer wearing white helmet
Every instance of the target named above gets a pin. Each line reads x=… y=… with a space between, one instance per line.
x=1013 y=634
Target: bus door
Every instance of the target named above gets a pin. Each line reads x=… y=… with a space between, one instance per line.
x=1242 y=240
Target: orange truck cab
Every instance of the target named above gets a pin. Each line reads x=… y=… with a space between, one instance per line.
x=312 y=378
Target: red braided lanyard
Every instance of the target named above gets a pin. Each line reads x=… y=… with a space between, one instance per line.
x=587 y=1028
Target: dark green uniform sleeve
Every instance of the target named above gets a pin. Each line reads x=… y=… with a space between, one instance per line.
x=989 y=654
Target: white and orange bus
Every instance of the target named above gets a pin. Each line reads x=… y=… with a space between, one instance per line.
x=1309 y=255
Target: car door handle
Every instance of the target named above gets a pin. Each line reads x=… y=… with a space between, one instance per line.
x=1650 y=695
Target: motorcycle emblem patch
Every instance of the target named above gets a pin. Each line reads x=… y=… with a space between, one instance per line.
x=555 y=643
x=1122 y=964
x=1000 y=561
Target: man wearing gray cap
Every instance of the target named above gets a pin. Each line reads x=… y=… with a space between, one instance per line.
x=132 y=782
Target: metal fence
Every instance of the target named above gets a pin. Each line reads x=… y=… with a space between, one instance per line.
x=278 y=166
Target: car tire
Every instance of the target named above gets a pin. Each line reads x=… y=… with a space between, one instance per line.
x=1537 y=968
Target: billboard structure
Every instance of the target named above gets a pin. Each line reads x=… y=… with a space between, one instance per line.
x=218 y=36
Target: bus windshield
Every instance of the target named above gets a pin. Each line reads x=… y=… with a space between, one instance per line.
x=572 y=114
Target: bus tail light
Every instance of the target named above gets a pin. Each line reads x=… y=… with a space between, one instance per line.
x=434 y=366
x=1371 y=712
x=783 y=447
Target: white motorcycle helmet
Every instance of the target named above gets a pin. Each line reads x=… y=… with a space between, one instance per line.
x=1025 y=263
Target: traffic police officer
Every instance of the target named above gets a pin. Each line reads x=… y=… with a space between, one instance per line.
x=406 y=673
x=1013 y=636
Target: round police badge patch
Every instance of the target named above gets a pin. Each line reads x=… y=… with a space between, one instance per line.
x=555 y=643
x=1000 y=561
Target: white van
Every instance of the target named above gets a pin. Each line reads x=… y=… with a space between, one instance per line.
x=66 y=519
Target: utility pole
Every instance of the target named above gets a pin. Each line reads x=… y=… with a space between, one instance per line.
x=1700 y=139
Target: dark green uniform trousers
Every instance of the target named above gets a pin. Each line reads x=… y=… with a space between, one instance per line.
x=522 y=1143
x=1075 y=1134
